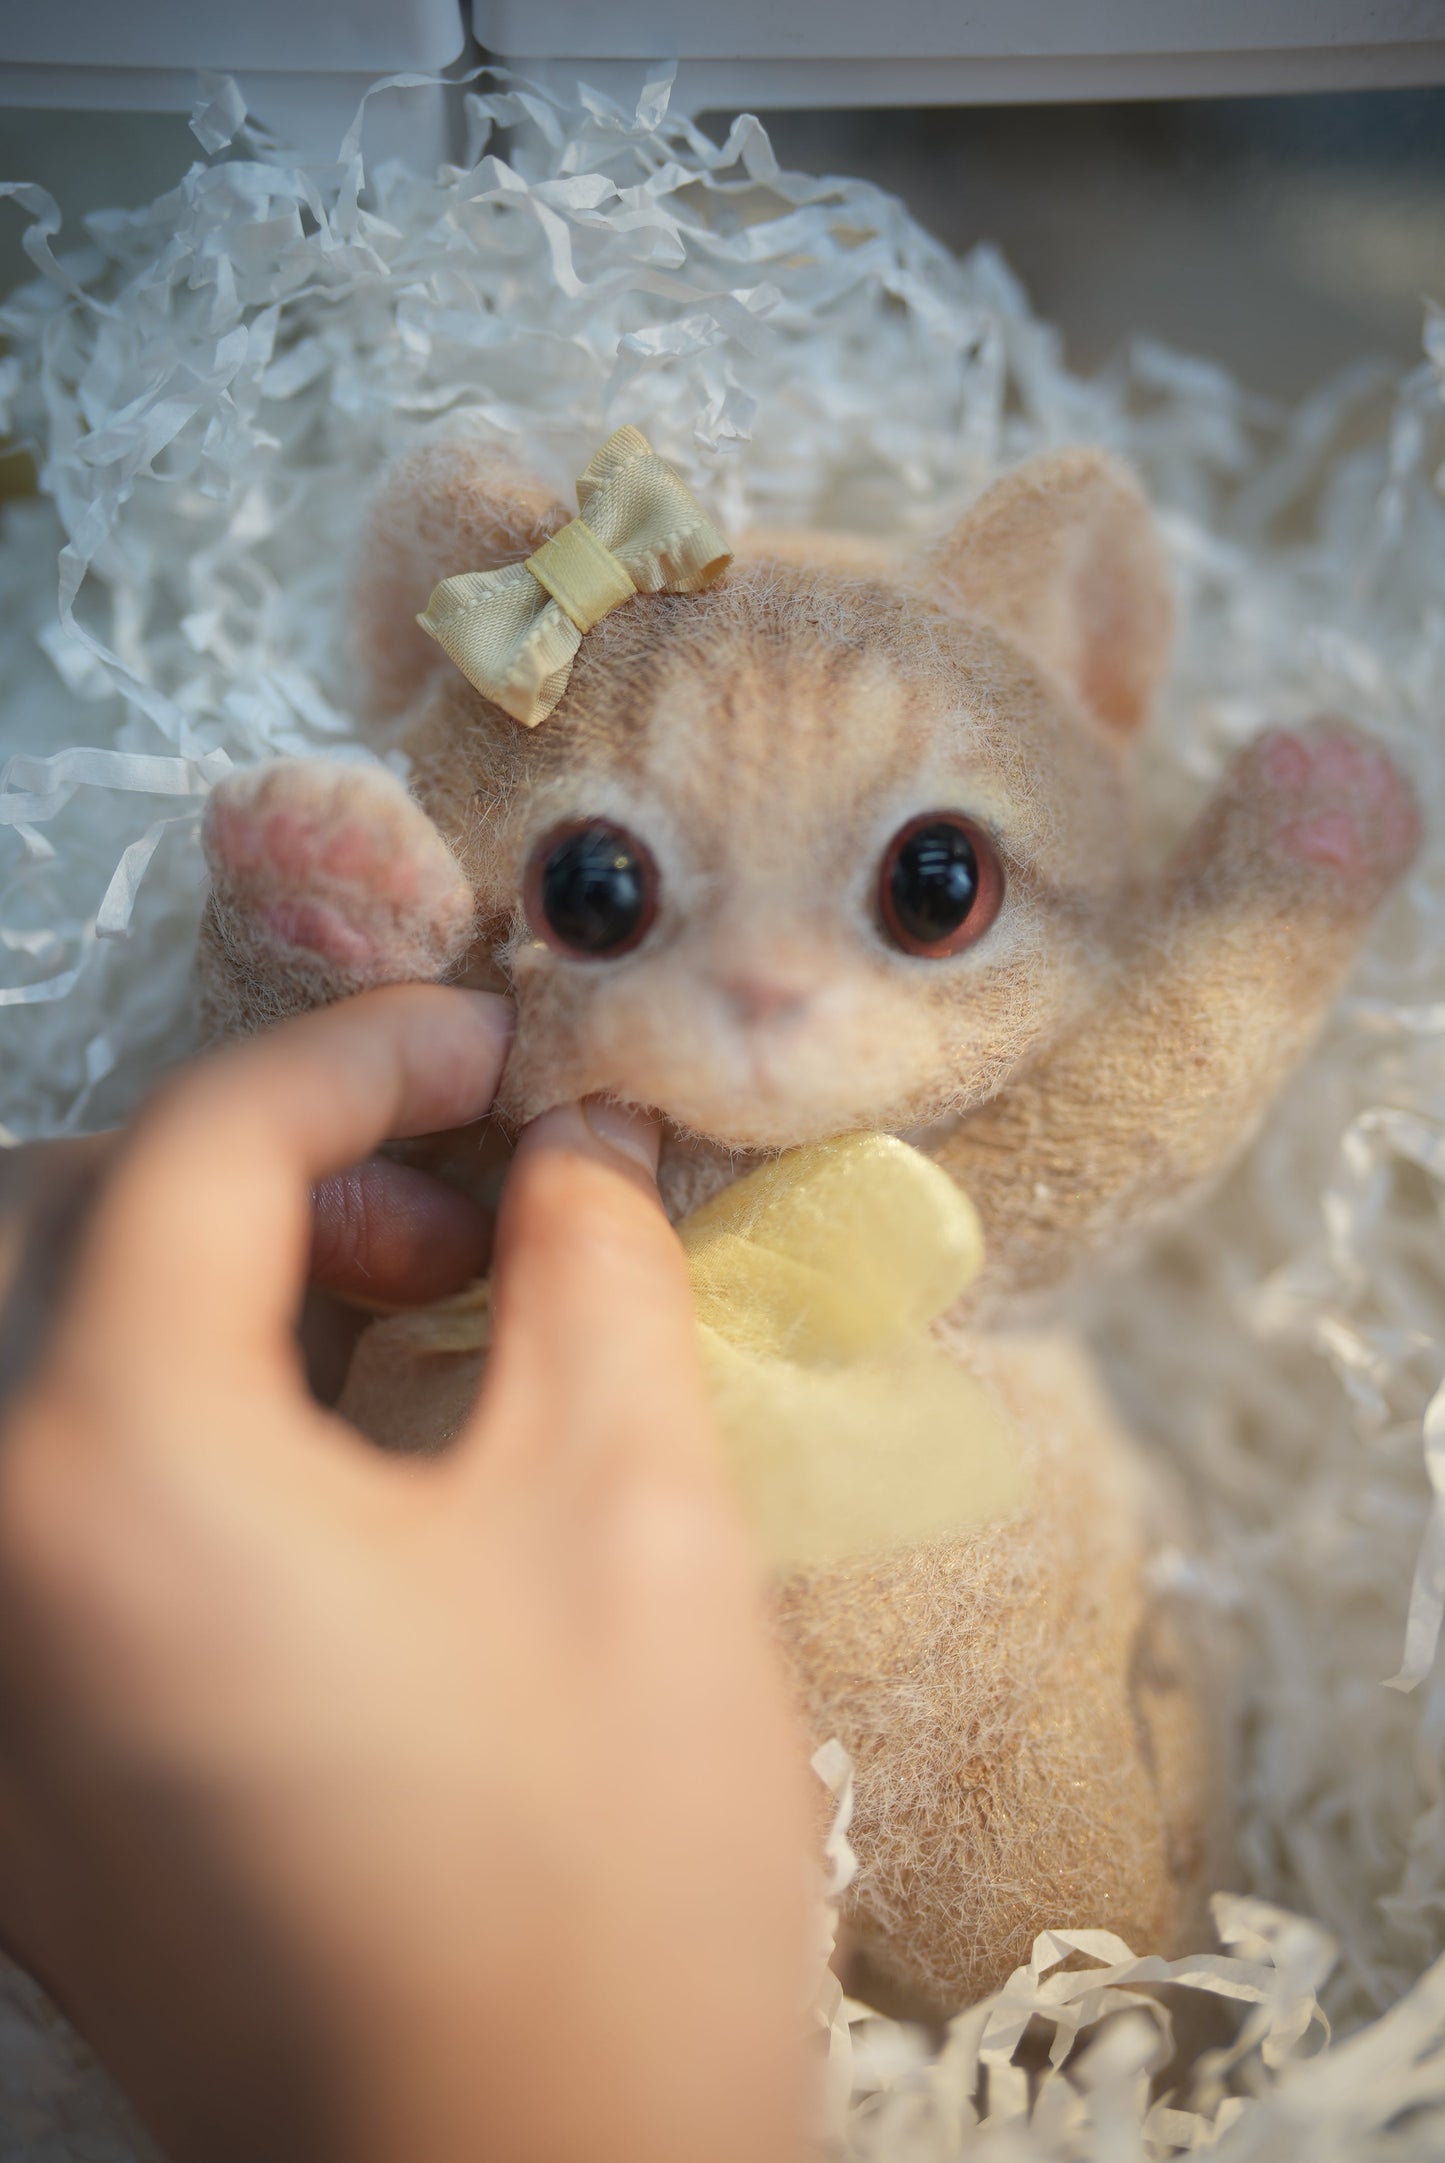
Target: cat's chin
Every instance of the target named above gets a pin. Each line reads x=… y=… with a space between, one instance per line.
x=694 y=1167
x=691 y=1171
x=762 y=1136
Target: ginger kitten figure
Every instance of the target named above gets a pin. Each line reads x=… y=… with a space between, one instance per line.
x=837 y=843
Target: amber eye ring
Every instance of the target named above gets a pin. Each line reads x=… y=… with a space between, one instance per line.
x=591 y=890
x=940 y=885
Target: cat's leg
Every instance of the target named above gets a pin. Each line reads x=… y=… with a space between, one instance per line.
x=1237 y=957
x=326 y=879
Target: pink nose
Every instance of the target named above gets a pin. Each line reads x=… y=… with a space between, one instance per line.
x=759 y=998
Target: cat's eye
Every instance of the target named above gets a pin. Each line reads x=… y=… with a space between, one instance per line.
x=591 y=890
x=940 y=886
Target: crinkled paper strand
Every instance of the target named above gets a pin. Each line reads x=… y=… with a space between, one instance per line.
x=211 y=384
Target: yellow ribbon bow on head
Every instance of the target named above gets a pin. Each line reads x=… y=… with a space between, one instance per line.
x=514 y=632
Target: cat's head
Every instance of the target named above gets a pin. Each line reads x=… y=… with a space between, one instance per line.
x=808 y=851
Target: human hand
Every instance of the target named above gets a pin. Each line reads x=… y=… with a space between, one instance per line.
x=383 y=1233
x=365 y=1808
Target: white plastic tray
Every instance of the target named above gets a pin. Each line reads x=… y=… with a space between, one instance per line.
x=303 y=63
x=906 y=52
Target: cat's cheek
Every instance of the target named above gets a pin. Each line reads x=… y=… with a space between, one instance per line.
x=532 y=1085
x=549 y=1062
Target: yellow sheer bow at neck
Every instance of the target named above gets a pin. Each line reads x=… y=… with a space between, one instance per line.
x=514 y=632
x=848 y=1428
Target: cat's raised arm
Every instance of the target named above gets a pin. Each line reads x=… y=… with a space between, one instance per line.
x=328 y=879
x=1234 y=959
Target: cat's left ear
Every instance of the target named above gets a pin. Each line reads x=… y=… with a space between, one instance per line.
x=1062 y=555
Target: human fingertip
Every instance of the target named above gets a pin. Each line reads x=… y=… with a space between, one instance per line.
x=449 y=1008
x=490 y=1013
x=617 y=1135
x=453 y=1043
x=625 y=1129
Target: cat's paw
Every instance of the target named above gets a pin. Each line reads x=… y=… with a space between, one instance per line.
x=337 y=867
x=1328 y=803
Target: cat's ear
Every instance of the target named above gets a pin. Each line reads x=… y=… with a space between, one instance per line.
x=447 y=507
x=1064 y=558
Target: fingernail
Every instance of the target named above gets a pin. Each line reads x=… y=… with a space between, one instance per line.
x=494 y=1014
x=632 y=1133
x=598 y=1129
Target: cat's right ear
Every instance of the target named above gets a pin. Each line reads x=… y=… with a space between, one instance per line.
x=1062 y=555
x=444 y=508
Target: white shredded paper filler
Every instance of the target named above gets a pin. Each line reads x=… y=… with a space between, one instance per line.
x=211 y=386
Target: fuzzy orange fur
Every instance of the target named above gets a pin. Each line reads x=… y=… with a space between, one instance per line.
x=1034 y=1729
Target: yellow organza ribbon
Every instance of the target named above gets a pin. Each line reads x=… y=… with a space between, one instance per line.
x=848 y=1429
x=514 y=632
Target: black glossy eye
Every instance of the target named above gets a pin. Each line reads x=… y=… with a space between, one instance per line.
x=941 y=884
x=591 y=890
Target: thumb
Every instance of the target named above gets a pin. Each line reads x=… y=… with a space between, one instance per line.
x=594 y=1347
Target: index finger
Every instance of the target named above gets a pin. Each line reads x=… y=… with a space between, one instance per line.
x=201 y=1237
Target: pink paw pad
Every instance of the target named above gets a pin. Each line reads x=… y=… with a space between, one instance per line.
x=316 y=928
x=351 y=853
x=295 y=850
x=338 y=864
x=1343 y=806
x=1330 y=838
